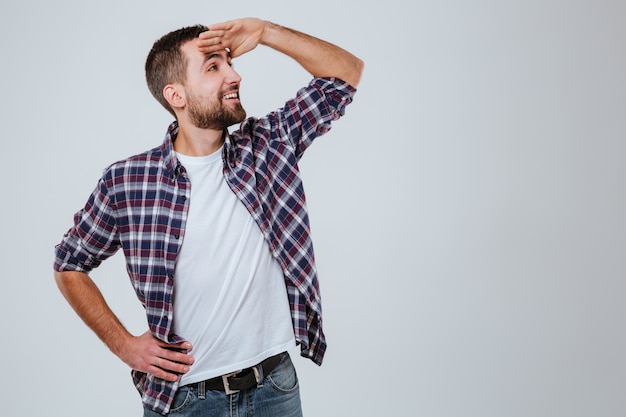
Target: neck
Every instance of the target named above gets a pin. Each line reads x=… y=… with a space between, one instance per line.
x=193 y=141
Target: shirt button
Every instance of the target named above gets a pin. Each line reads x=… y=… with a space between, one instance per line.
x=177 y=236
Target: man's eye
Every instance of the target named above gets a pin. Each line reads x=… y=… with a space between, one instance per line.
x=212 y=68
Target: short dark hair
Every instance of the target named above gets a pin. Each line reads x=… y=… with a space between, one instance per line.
x=166 y=63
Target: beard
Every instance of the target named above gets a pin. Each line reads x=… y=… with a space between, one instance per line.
x=205 y=114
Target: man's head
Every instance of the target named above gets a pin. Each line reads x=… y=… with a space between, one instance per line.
x=166 y=62
x=184 y=80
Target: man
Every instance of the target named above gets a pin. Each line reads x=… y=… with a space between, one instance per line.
x=214 y=229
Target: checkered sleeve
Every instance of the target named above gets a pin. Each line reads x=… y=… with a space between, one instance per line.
x=92 y=238
x=311 y=112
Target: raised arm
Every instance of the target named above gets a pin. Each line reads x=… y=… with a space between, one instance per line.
x=318 y=57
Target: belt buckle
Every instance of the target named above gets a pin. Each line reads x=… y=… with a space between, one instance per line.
x=227 y=389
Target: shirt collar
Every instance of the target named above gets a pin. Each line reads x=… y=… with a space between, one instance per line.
x=169 y=156
x=167 y=148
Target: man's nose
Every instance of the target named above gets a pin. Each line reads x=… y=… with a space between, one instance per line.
x=233 y=76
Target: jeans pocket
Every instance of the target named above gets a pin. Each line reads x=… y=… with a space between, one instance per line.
x=284 y=378
x=181 y=399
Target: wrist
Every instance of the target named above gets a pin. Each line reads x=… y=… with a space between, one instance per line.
x=269 y=34
x=120 y=342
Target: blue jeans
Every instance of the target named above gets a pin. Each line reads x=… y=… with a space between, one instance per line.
x=278 y=397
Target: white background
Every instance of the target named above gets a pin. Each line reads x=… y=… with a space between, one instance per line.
x=468 y=212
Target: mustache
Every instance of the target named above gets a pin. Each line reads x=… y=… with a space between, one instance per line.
x=230 y=90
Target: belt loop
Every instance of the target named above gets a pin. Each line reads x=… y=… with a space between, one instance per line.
x=201 y=390
x=258 y=375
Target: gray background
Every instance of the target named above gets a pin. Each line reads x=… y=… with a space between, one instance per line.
x=468 y=213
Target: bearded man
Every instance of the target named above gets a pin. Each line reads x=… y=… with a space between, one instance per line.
x=214 y=229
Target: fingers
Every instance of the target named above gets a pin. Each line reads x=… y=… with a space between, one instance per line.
x=238 y=36
x=162 y=374
x=151 y=355
x=170 y=368
x=211 y=34
x=174 y=346
x=227 y=25
x=210 y=45
x=175 y=357
x=170 y=363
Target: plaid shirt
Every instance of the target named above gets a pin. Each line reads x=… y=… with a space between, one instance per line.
x=140 y=205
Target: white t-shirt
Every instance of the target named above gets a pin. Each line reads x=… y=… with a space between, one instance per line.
x=230 y=299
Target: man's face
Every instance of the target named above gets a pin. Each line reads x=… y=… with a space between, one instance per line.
x=212 y=89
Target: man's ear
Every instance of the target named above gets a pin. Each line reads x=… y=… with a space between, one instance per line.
x=175 y=95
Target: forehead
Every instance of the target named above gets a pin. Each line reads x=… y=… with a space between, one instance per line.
x=196 y=59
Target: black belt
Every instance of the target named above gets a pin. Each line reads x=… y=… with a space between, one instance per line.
x=241 y=380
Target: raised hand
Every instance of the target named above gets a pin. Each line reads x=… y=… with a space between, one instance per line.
x=318 y=57
x=239 y=36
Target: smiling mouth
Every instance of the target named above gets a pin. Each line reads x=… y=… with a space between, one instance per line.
x=231 y=96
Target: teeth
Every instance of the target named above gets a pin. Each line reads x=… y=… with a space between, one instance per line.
x=230 y=95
